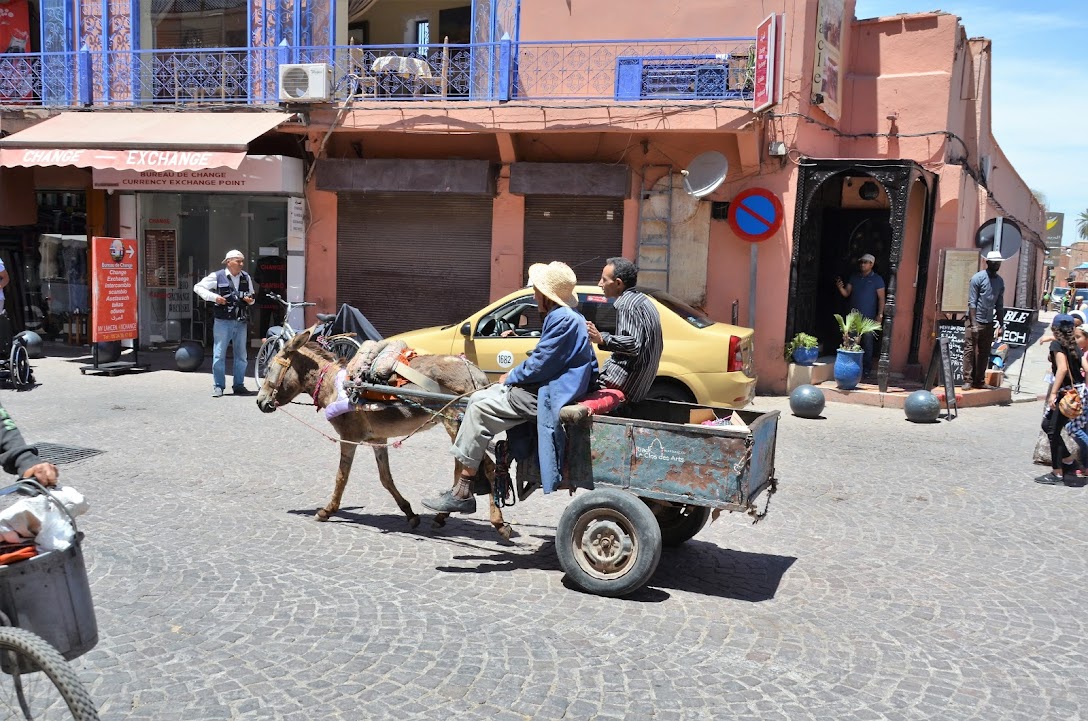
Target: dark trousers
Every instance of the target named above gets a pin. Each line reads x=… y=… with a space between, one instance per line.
x=977 y=339
x=1053 y=424
x=867 y=342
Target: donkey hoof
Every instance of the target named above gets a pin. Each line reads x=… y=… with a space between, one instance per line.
x=506 y=531
x=440 y=520
x=413 y=521
x=322 y=515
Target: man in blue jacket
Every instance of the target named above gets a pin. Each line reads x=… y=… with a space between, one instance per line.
x=560 y=371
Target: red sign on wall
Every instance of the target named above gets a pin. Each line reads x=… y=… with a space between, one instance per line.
x=766 y=36
x=18 y=80
x=114 y=264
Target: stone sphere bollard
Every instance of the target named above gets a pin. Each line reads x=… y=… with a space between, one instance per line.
x=33 y=343
x=109 y=351
x=922 y=407
x=189 y=356
x=807 y=401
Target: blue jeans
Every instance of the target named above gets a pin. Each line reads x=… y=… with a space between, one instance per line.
x=867 y=350
x=1080 y=435
x=226 y=332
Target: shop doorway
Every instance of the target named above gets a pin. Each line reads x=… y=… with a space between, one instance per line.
x=843 y=211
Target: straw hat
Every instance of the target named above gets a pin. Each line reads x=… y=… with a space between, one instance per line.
x=555 y=280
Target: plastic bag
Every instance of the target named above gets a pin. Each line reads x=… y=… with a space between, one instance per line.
x=40 y=519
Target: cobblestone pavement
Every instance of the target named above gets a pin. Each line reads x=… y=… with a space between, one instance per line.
x=905 y=572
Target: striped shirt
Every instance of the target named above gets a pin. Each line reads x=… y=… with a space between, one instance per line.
x=635 y=346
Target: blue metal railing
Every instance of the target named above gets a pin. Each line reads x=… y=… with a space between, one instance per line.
x=602 y=70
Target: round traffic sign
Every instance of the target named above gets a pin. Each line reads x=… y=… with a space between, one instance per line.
x=755 y=214
x=1008 y=243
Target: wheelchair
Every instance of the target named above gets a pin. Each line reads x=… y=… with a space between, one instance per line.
x=14 y=358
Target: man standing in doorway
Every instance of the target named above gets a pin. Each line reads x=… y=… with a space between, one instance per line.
x=985 y=303
x=232 y=291
x=865 y=289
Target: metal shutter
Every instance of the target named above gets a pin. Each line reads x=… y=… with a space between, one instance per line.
x=581 y=232
x=411 y=260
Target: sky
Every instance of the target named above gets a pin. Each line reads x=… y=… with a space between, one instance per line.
x=1039 y=88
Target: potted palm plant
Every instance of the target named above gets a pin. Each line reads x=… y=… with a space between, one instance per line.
x=803 y=350
x=848 y=360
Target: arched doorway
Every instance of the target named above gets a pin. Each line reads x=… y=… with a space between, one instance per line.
x=846 y=208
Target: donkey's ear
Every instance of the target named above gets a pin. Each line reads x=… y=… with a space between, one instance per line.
x=299 y=340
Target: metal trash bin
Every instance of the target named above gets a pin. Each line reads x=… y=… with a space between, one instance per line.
x=50 y=595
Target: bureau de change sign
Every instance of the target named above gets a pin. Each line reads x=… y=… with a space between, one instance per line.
x=114 y=263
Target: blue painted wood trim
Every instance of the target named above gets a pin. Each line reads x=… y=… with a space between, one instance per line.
x=106 y=55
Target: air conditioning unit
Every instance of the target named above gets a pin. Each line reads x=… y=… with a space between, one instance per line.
x=305 y=83
x=863 y=193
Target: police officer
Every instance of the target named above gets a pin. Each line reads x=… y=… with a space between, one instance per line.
x=232 y=291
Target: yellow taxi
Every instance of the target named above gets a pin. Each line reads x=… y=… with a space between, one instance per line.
x=703 y=361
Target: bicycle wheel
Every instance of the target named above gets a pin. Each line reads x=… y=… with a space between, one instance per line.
x=40 y=684
x=343 y=346
x=269 y=348
x=20 y=367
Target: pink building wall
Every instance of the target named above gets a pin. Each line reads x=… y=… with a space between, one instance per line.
x=909 y=82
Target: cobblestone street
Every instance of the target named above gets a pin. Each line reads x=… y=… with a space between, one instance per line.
x=904 y=572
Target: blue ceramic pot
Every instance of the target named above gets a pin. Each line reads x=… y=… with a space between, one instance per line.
x=805 y=356
x=848 y=368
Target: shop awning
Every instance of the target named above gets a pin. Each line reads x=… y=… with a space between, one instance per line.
x=138 y=141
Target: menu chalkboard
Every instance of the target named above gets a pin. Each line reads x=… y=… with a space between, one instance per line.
x=952 y=330
x=1017 y=326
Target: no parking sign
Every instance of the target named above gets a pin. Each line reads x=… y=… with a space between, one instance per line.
x=755 y=214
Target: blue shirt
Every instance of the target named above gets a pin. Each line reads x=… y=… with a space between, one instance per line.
x=986 y=297
x=863 y=290
x=562 y=367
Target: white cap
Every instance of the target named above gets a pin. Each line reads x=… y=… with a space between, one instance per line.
x=867 y=257
x=233 y=254
x=994 y=257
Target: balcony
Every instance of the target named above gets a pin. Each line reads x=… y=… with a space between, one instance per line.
x=628 y=71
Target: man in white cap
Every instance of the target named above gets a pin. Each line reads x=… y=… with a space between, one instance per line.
x=561 y=369
x=865 y=290
x=232 y=291
x=985 y=304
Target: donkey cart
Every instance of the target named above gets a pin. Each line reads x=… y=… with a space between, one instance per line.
x=649 y=481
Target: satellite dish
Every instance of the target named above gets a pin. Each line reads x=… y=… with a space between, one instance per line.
x=1010 y=240
x=705 y=173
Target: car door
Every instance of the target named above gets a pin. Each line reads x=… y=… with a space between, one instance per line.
x=504 y=336
x=599 y=310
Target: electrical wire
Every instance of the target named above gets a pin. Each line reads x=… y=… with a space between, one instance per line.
x=975 y=173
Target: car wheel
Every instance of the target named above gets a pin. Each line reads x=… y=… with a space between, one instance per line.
x=670 y=390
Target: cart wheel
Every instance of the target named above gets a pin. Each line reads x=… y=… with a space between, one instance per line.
x=20 y=367
x=608 y=542
x=677 y=527
x=40 y=683
x=269 y=348
x=344 y=347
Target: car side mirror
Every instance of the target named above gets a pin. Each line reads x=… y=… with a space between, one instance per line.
x=466 y=330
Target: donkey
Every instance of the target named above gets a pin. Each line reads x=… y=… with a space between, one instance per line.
x=303 y=367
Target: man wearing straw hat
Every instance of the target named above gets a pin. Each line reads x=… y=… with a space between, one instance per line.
x=561 y=370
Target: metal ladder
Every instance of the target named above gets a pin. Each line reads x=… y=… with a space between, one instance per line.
x=654 y=227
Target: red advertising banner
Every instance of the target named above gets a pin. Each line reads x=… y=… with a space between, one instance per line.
x=766 y=35
x=17 y=83
x=114 y=264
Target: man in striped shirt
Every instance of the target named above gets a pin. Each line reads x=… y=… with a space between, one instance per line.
x=636 y=345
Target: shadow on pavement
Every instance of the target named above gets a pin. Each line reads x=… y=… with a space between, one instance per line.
x=709 y=570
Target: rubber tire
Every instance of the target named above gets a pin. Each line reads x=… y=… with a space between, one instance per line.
x=677 y=528
x=30 y=647
x=636 y=519
x=20 y=367
x=344 y=347
x=270 y=347
x=669 y=390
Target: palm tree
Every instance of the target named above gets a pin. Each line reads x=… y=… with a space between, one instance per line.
x=1082 y=225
